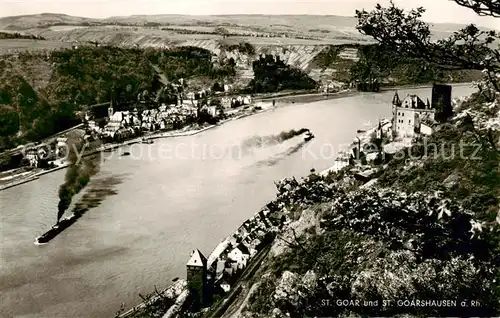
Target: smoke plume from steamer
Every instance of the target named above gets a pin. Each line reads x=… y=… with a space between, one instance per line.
x=276 y=159
x=78 y=174
x=263 y=141
x=95 y=194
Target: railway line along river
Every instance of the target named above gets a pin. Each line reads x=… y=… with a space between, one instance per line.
x=147 y=211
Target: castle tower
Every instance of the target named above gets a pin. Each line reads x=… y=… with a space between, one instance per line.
x=441 y=101
x=396 y=102
x=197 y=277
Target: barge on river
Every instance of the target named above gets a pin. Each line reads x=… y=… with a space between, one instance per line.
x=56 y=230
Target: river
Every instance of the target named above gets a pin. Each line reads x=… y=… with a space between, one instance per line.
x=167 y=201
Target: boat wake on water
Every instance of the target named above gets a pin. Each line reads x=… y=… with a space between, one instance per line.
x=272 y=161
x=280 y=141
x=272 y=140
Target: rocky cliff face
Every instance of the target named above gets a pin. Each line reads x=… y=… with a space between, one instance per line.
x=299 y=56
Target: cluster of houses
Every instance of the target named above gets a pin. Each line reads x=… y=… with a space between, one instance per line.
x=241 y=247
x=39 y=156
x=232 y=102
x=332 y=86
x=219 y=272
x=35 y=157
x=125 y=124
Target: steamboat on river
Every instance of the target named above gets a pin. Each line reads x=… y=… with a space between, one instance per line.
x=56 y=229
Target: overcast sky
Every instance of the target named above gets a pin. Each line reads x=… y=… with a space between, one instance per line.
x=437 y=10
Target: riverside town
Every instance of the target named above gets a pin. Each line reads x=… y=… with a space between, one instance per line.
x=245 y=161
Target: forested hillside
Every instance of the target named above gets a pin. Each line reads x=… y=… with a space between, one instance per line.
x=74 y=78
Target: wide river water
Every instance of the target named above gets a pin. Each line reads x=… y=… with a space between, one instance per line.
x=170 y=197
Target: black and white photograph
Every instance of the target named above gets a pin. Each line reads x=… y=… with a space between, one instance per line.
x=249 y=159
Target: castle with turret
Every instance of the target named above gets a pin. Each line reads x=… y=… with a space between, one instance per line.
x=410 y=114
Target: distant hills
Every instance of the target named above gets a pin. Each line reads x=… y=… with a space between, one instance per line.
x=165 y=30
x=301 y=23
x=24 y=22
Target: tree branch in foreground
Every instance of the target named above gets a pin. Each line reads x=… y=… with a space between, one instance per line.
x=482 y=7
x=406 y=34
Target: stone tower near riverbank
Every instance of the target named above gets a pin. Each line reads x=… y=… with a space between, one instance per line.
x=197 y=278
x=441 y=101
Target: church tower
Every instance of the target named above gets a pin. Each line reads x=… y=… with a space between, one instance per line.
x=379 y=131
x=110 y=109
x=197 y=277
